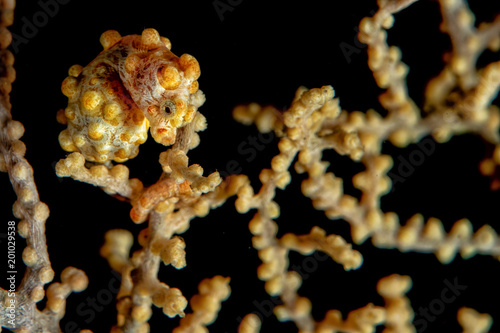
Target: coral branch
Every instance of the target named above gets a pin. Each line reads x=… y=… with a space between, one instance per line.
x=111 y=180
x=334 y=245
x=20 y=305
x=205 y=305
x=250 y=324
x=473 y=321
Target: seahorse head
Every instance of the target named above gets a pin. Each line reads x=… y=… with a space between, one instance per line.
x=134 y=84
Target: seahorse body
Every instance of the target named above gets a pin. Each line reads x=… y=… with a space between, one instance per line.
x=135 y=83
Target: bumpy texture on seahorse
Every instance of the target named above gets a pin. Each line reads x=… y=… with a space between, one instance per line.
x=135 y=83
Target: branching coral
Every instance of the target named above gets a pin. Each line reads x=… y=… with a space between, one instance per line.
x=18 y=308
x=136 y=83
x=181 y=194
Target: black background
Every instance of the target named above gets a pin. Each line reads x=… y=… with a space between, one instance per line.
x=258 y=52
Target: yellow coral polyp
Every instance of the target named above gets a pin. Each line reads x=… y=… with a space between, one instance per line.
x=90 y=102
x=69 y=113
x=111 y=112
x=79 y=140
x=194 y=87
x=150 y=38
x=69 y=87
x=66 y=141
x=131 y=62
x=109 y=38
x=190 y=66
x=169 y=78
x=75 y=70
x=96 y=131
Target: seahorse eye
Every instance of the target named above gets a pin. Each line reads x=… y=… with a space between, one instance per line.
x=168 y=107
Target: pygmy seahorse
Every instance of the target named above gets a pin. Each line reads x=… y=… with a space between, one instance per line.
x=135 y=83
